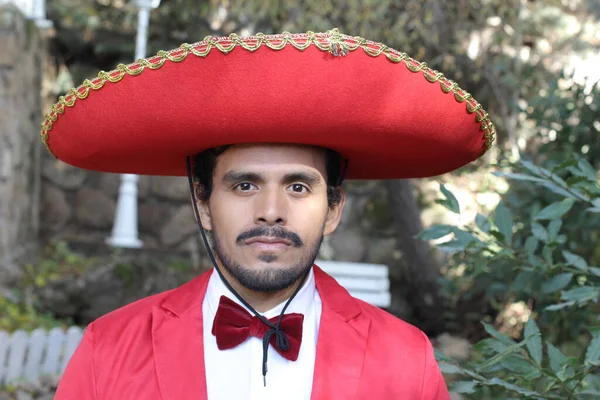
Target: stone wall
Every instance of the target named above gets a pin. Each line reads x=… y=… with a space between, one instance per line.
x=21 y=60
x=79 y=206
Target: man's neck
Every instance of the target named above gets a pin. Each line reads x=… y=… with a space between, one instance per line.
x=260 y=301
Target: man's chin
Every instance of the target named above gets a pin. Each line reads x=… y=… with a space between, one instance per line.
x=269 y=258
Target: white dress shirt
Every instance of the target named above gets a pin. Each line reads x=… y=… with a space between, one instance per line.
x=236 y=374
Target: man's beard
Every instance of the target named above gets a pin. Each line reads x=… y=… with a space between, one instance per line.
x=268 y=280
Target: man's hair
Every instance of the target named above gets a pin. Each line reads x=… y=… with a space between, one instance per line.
x=205 y=162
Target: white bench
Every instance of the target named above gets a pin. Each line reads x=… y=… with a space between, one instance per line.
x=27 y=356
x=368 y=282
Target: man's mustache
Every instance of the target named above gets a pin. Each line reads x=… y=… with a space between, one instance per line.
x=272 y=232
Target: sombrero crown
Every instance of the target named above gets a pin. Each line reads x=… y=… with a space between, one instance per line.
x=388 y=114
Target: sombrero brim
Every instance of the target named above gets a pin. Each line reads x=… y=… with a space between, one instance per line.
x=391 y=116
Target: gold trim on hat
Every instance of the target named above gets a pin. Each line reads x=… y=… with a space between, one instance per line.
x=331 y=41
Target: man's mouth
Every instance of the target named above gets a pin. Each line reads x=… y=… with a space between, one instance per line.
x=264 y=240
x=276 y=237
x=268 y=244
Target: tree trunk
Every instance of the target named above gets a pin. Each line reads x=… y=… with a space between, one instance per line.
x=422 y=271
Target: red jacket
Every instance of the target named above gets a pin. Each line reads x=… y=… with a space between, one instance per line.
x=153 y=349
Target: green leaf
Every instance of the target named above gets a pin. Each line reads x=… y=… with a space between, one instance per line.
x=547 y=254
x=555 y=210
x=518 y=177
x=497 y=235
x=435 y=232
x=503 y=220
x=590 y=394
x=517 y=363
x=464 y=386
x=533 y=168
x=524 y=281
x=451 y=246
x=577 y=172
x=574 y=180
x=502 y=356
x=450 y=368
x=575 y=260
x=554 y=228
x=592 y=353
x=582 y=294
x=558 y=190
x=557 y=283
x=586 y=168
x=466 y=237
x=487 y=344
x=450 y=202
x=593 y=382
x=561 y=239
x=539 y=232
x=512 y=387
x=441 y=357
x=534 y=344
x=559 y=306
x=482 y=223
x=595 y=271
x=564 y=165
x=494 y=333
x=595 y=210
x=531 y=244
x=556 y=357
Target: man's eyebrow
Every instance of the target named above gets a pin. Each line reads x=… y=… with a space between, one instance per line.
x=306 y=177
x=239 y=176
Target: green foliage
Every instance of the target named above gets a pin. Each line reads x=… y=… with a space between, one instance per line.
x=15 y=313
x=20 y=309
x=58 y=260
x=513 y=257
x=567 y=119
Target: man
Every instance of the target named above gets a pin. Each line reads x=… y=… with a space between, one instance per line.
x=265 y=128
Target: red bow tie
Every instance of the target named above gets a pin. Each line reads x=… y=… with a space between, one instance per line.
x=233 y=325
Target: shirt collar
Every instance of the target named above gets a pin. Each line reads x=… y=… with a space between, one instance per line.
x=300 y=304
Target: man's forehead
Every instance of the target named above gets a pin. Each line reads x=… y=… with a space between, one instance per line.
x=272 y=155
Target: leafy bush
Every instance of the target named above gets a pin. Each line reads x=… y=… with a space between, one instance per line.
x=17 y=314
x=531 y=260
x=20 y=308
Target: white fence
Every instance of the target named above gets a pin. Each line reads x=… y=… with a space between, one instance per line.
x=28 y=356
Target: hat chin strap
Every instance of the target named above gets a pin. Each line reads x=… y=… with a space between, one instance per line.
x=282 y=341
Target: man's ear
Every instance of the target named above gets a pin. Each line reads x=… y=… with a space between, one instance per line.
x=203 y=208
x=334 y=214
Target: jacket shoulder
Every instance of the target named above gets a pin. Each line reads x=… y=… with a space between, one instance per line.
x=389 y=328
x=133 y=314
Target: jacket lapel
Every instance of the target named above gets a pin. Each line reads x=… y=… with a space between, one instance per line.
x=178 y=342
x=342 y=341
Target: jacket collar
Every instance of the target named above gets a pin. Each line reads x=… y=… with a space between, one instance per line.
x=177 y=335
x=191 y=295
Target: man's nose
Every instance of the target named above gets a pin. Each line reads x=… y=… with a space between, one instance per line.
x=271 y=207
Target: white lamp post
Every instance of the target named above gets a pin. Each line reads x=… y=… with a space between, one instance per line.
x=125 y=227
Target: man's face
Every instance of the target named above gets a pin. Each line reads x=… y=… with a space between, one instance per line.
x=268 y=213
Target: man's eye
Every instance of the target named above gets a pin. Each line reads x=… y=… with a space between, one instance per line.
x=245 y=186
x=298 y=188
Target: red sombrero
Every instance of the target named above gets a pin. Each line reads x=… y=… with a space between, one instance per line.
x=389 y=115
